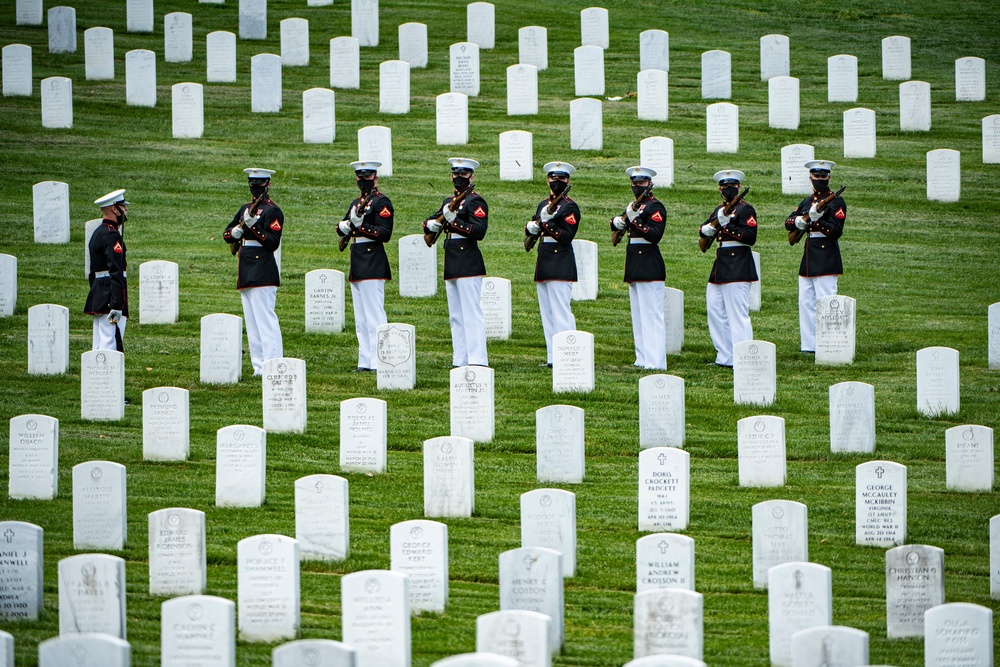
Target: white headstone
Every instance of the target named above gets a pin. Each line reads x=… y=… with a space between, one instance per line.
x=716 y=75
x=664 y=488
x=28 y=12
x=375 y=608
x=396 y=353
x=774 y=58
x=240 y=466
x=654 y=50
x=969 y=458
x=531 y=579
x=673 y=318
x=594 y=27
x=588 y=67
x=419 y=549
x=220 y=47
x=783 y=102
x=472 y=406
x=284 y=395
x=669 y=621
x=944 y=175
x=548 y=519
x=364 y=23
x=991 y=139
x=140 y=78
x=102 y=385
x=221 y=348
x=559 y=443
x=165 y=424
x=16 y=70
x=57 y=102
x=187 y=110
x=198 y=630
x=515 y=155
x=449 y=477
x=661 y=411
x=322 y=652
x=265 y=83
x=958 y=633
x=413 y=44
x=585 y=288
x=62 y=30
x=780 y=535
x=23 y=573
x=586 y=124
x=755 y=298
x=880 y=504
x=665 y=661
x=896 y=58
x=522 y=90
x=829 y=645
x=322 y=517
x=253 y=19
x=33 y=460
x=995 y=557
x=48 y=339
x=177 y=552
x=835 y=325
x=139 y=15
x=651 y=94
x=914 y=582
x=572 y=362
x=6 y=646
x=658 y=154
x=516 y=633
x=363 y=423
x=852 y=417
x=533 y=46
x=754 y=373
x=480 y=24
x=799 y=596
x=842 y=78
x=318 y=127
x=664 y=560
x=761 y=451
x=158 y=292
x=267 y=571
x=91 y=649
x=8 y=291
x=91 y=595
x=345 y=59
x=294 y=42
x=50 y=201
x=417 y=267
x=937 y=381
x=178 y=38
x=324 y=296
x=394 y=87
x=722 y=128
x=859 y=133
x=915 y=106
x=89 y=228
x=375 y=143
x=794 y=175
x=464 y=60
x=100 y=520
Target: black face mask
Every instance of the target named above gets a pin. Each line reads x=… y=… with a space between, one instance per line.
x=257 y=190
x=461 y=182
x=557 y=187
x=638 y=189
x=120 y=215
x=366 y=186
x=820 y=186
x=730 y=191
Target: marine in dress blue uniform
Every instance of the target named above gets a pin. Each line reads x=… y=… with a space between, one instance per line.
x=107 y=300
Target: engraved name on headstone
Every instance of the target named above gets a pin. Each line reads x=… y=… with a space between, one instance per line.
x=531 y=579
x=515 y=155
x=449 y=477
x=178 y=38
x=294 y=42
x=417 y=267
x=240 y=458
x=799 y=596
x=835 y=325
x=100 y=518
x=722 y=123
x=794 y=176
x=548 y=519
x=376 y=617
x=319 y=119
x=958 y=633
x=761 y=446
x=198 y=631
x=880 y=504
x=220 y=52
x=394 y=87
x=664 y=488
x=396 y=352
x=970 y=79
x=92 y=595
x=991 y=139
x=533 y=46
x=322 y=517
x=516 y=633
x=324 y=306
x=165 y=424
x=664 y=560
x=158 y=292
x=658 y=154
x=419 y=549
x=661 y=411
x=99 y=54
x=50 y=203
x=522 y=90
x=669 y=621
x=57 y=102
x=754 y=373
x=780 y=535
x=22 y=561
x=859 y=133
x=48 y=339
x=284 y=395
x=969 y=458
x=102 y=385
x=572 y=362
x=842 y=78
x=345 y=59
x=267 y=571
x=586 y=124
x=187 y=104
x=651 y=95
x=413 y=44
x=937 y=381
x=464 y=61
x=363 y=424
x=896 y=58
x=852 y=417
x=177 y=552
x=559 y=444
x=915 y=106
x=452 y=119
x=944 y=175
x=914 y=582
x=33 y=457
x=471 y=403
x=594 y=27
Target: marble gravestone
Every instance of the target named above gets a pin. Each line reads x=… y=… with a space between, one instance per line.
x=661 y=411
x=783 y=102
x=669 y=621
x=394 y=87
x=375 y=143
x=654 y=50
x=995 y=557
x=585 y=288
x=284 y=395
x=835 y=330
x=533 y=46
x=494 y=298
x=375 y=608
x=396 y=352
x=993 y=324
x=363 y=424
x=880 y=504
x=177 y=561
x=294 y=42
x=139 y=15
x=673 y=317
x=859 y=133
x=220 y=57
x=452 y=119
x=62 y=30
x=548 y=519
x=958 y=633
x=799 y=596
x=774 y=57
x=969 y=458
x=825 y=645
x=265 y=83
x=761 y=446
x=324 y=306
x=419 y=549
x=464 y=60
x=57 y=102
x=794 y=175
x=970 y=80
x=652 y=95
x=140 y=78
x=664 y=560
x=658 y=154
x=89 y=649
x=516 y=633
x=559 y=444
x=198 y=630
x=322 y=517
x=914 y=582
x=754 y=373
x=253 y=19
x=23 y=563
x=413 y=44
x=102 y=385
x=178 y=38
x=187 y=104
x=364 y=23
x=716 y=75
x=896 y=58
x=531 y=579
x=588 y=67
x=572 y=362
x=471 y=404
x=99 y=54
x=449 y=477
x=480 y=24
x=944 y=175
x=221 y=348
x=28 y=12
x=755 y=297
x=852 y=417
x=92 y=595
x=100 y=518
x=937 y=381
x=594 y=27
x=780 y=535
x=240 y=458
x=33 y=457
x=319 y=652
x=319 y=117
x=664 y=489
x=586 y=124
x=165 y=424
x=50 y=211
x=158 y=292
x=722 y=132
x=267 y=571
x=522 y=90
x=89 y=228
x=345 y=59
x=842 y=78
x=915 y=106
x=665 y=661
x=6 y=649
x=48 y=339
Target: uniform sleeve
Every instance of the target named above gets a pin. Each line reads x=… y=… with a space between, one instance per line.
x=743 y=226
x=377 y=222
x=564 y=225
x=802 y=209
x=651 y=222
x=267 y=229
x=473 y=218
x=227 y=235
x=114 y=255
x=832 y=221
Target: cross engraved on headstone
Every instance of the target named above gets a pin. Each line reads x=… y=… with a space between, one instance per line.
x=664 y=545
x=80 y=654
x=529 y=561
x=319 y=486
x=828 y=642
x=322 y=278
x=558 y=416
x=662 y=458
x=879 y=471
x=798 y=579
x=9 y=534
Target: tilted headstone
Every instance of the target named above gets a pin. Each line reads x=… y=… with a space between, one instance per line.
x=533 y=46
x=661 y=411
x=177 y=552
x=187 y=104
x=755 y=298
x=452 y=119
x=494 y=299
x=102 y=385
x=937 y=381
x=419 y=549
x=100 y=518
x=516 y=633
x=240 y=466
x=799 y=596
x=394 y=87
x=559 y=444
x=265 y=83
x=464 y=62
x=449 y=477
x=363 y=424
x=221 y=348
x=572 y=362
x=835 y=330
x=319 y=119
x=396 y=352
x=22 y=589
x=319 y=652
x=914 y=582
x=267 y=571
x=375 y=143
x=253 y=19
x=761 y=446
x=664 y=560
x=995 y=557
x=364 y=23
x=654 y=50
x=969 y=458
x=586 y=124
x=178 y=38
x=852 y=417
x=322 y=517
x=92 y=649
x=669 y=621
x=139 y=15
x=220 y=53
x=673 y=318
x=944 y=175
x=842 y=78
x=92 y=595
x=413 y=44
x=57 y=102
x=958 y=633
x=99 y=54
x=284 y=395
x=896 y=58
x=140 y=78
x=585 y=288
x=780 y=535
x=783 y=102
x=859 y=133
x=794 y=176
x=198 y=630
x=522 y=90
x=716 y=75
x=62 y=30
x=28 y=12
x=588 y=67
x=722 y=123
x=664 y=488
x=991 y=139
x=345 y=59
x=33 y=457
x=548 y=519
x=915 y=106
x=594 y=27
x=294 y=42
x=829 y=645
x=480 y=24
x=158 y=292
x=48 y=339
x=17 y=70
x=165 y=424
x=324 y=306
x=50 y=202
x=651 y=94
x=531 y=579
x=880 y=504
x=774 y=57
x=754 y=373
x=376 y=617
x=658 y=154
x=471 y=403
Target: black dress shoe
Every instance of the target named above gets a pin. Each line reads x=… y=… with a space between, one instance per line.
x=544 y=365
x=359 y=369
x=128 y=401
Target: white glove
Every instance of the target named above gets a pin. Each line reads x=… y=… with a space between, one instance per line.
x=248 y=219
x=433 y=226
x=356 y=219
x=800 y=222
x=545 y=216
x=345 y=227
x=236 y=232
x=722 y=217
x=708 y=230
x=449 y=215
x=533 y=227
x=632 y=214
x=114 y=316
x=619 y=222
x=814 y=215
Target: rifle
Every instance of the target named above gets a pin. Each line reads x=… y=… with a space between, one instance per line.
x=531 y=239
x=796 y=234
x=254 y=205
x=430 y=238
x=618 y=234
x=362 y=203
x=705 y=242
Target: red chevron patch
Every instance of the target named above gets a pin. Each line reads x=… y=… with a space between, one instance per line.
x=752 y=222
x=276 y=226
x=656 y=217
x=118 y=247
x=840 y=214
x=479 y=212
x=385 y=212
x=571 y=218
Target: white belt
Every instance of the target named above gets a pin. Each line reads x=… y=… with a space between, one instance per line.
x=816 y=235
x=360 y=239
x=105 y=274
x=638 y=240
x=549 y=239
x=731 y=244
x=253 y=244
x=456 y=235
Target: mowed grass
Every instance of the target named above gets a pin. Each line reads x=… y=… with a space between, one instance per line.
x=923 y=274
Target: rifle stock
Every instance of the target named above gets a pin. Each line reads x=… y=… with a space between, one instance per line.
x=254 y=205
x=618 y=234
x=346 y=239
x=796 y=234
x=532 y=239
x=430 y=238
x=705 y=242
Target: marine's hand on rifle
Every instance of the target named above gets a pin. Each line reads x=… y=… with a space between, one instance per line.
x=236 y=232
x=356 y=219
x=114 y=316
x=814 y=214
x=619 y=222
x=708 y=229
x=449 y=215
x=433 y=225
x=722 y=217
x=345 y=227
x=800 y=222
x=533 y=227
x=545 y=216
x=631 y=212
x=249 y=220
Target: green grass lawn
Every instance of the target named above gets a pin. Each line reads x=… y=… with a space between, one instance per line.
x=923 y=274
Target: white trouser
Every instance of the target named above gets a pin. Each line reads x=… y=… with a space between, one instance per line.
x=557 y=315
x=263 y=332
x=811 y=289
x=468 y=327
x=646 y=300
x=728 y=318
x=369 y=313
x=104 y=332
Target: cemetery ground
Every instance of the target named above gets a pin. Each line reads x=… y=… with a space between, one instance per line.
x=923 y=274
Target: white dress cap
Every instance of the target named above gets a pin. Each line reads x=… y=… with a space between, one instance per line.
x=729 y=175
x=254 y=172
x=111 y=198
x=366 y=165
x=559 y=168
x=463 y=163
x=640 y=172
x=824 y=165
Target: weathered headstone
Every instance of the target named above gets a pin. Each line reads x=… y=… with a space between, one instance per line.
x=991 y=139
x=533 y=46
x=33 y=458
x=158 y=292
x=761 y=451
x=944 y=175
x=220 y=63
x=586 y=124
x=496 y=305
x=165 y=424
x=319 y=120
x=783 y=102
x=92 y=595
x=794 y=176
x=780 y=535
x=57 y=102
x=914 y=582
x=585 y=288
x=548 y=519
x=559 y=444
x=969 y=458
x=265 y=83
x=937 y=381
x=915 y=106
x=452 y=119
x=531 y=579
x=664 y=560
x=654 y=50
x=799 y=596
x=17 y=70
x=658 y=154
x=669 y=621
x=318 y=652
x=28 y=12
x=177 y=552
x=825 y=645
x=62 y=30
x=835 y=325
x=716 y=75
x=221 y=348
x=284 y=395
x=394 y=87
x=324 y=305
x=140 y=78
x=661 y=411
x=464 y=62
x=396 y=353
x=480 y=24
x=842 y=78
x=754 y=373
x=664 y=488
x=880 y=504
x=178 y=38
x=651 y=95
x=522 y=90
x=364 y=23
x=413 y=44
x=572 y=362
x=375 y=143
x=859 y=133
x=23 y=565
x=100 y=519
x=417 y=267
x=267 y=571
x=139 y=15
x=515 y=155
x=102 y=385
x=419 y=549
x=187 y=110
x=240 y=466
x=594 y=27
x=253 y=19
x=99 y=54
x=322 y=517
x=48 y=339
x=472 y=407
x=774 y=57
x=449 y=477
x=198 y=630
x=345 y=59
x=516 y=633
x=91 y=649
x=852 y=417
x=896 y=58
x=363 y=423
x=722 y=123
x=375 y=608
x=588 y=68
x=958 y=633
x=294 y=42
x=50 y=202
